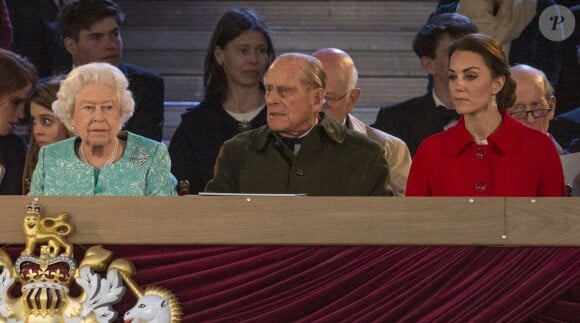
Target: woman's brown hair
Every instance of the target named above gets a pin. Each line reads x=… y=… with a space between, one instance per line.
x=494 y=58
x=16 y=73
x=44 y=95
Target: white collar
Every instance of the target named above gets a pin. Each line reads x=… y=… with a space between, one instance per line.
x=438 y=101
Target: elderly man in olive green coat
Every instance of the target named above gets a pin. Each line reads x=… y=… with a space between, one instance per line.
x=300 y=150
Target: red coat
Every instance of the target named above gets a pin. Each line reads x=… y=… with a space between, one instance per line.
x=517 y=161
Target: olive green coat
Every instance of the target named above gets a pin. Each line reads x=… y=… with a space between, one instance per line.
x=332 y=161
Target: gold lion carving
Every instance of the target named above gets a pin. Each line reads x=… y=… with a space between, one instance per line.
x=49 y=230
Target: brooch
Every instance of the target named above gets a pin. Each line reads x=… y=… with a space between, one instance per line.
x=140 y=157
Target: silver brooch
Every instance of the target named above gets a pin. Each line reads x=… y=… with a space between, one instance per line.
x=140 y=157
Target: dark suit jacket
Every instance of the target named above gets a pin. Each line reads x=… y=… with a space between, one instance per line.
x=565 y=128
x=149 y=94
x=197 y=140
x=412 y=120
x=567 y=91
x=12 y=155
x=148 y=91
x=6 y=32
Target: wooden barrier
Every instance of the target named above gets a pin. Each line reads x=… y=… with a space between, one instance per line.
x=250 y=220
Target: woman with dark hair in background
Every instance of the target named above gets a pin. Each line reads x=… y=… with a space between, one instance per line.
x=238 y=55
x=46 y=127
x=487 y=153
x=17 y=77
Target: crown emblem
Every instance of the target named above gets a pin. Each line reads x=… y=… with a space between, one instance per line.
x=46 y=269
x=33 y=207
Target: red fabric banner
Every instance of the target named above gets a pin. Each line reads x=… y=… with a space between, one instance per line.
x=363 y=283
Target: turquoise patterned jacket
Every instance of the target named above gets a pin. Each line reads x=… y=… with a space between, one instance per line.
x=143 y=170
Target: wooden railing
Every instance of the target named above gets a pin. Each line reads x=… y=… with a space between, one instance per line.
x=259 y=220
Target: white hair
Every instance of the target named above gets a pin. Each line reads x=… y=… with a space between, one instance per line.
x=93 y=73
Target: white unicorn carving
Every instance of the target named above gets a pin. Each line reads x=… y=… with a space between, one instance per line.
x=150 y=308
x=154 y=305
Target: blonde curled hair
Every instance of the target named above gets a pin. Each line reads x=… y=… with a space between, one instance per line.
x=93 y=73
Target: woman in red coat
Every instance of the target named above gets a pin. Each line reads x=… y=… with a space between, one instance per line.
x=487 y=153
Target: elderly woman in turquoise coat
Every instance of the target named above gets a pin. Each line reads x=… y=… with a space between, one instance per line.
x=94 y=103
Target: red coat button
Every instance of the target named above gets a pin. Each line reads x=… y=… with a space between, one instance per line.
x=480 y=153
x=480 y=187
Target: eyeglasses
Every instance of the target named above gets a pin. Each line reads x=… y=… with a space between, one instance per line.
x=537 y=109
x=331 y=100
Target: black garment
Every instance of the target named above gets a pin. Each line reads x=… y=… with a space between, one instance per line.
x=12 y=156
x=568 y=89
x=37 y=35
x=292 y=142
x=413 y=120
x=532 y=48
x=197 y=141
x=565 y=128
x=446 y=115
x=148 y=91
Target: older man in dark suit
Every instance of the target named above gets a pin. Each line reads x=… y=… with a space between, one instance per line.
x=421 y=117
x=102 y=42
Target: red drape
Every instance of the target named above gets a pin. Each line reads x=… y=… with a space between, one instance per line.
x=331 y=283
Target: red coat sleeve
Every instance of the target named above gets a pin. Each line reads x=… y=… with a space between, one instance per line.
x=418 y=181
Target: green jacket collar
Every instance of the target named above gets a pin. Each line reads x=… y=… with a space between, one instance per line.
x=332 y=129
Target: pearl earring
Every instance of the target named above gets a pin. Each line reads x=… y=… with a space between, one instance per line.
x=493 y=101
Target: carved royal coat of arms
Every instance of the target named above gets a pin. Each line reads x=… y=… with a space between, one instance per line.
x=46 y=269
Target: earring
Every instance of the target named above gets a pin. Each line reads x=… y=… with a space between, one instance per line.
x=493 y=101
